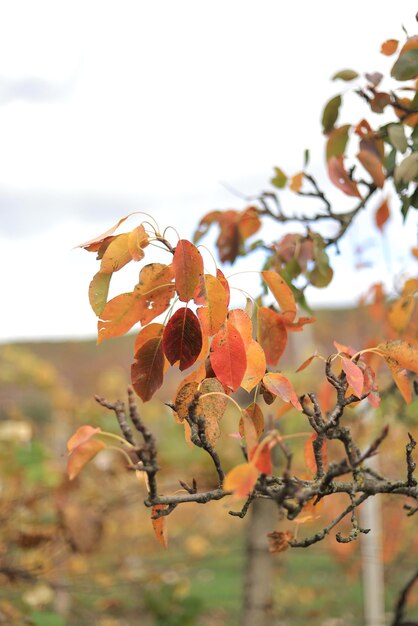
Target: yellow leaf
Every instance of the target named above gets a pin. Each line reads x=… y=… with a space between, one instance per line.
x=241 y=480
x=296 y=182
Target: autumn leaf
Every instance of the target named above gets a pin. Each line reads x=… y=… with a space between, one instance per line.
x=212 y=407
x=159 y=524
x=221 y=277
x=296 y=182
x=382 y=215
x=254 y=415
x=354 y=375
x=82 y=448
x=147 y=371
x=243 y=324
x=249 y=222
x=389 y=47
x=401 y=380
x=98 y=292
x=256 y=366
x=330 y=113
x=188 y=267
x=281 y=386
x=373 y=165
x=137 y=241
x=271 y=334
x=182 y=338
x=228 y=357
x=400 y=313
x=279 y=540
x=149 y=332
x=307 y=362
x=341 y=347
x=117 y=254
x=337 y=141
x=261 y=457
x=283 y=294
x=184 y=398
x=211 y=293
x=93 y=244
x=401 y=354
x=119 y=315
x=241 y=480
x=340 y=178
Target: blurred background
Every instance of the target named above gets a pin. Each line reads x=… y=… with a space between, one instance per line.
x=174 y=109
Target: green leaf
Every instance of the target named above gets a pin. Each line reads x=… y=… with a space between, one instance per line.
x=396 y=134
x=330 y=113
x=406 y=67
x=321 y=277
x=390 y=161
x=306 y=158
x=414 y=199
x=280 y=178
x=345 y=75
x=337 y=141
x=414 y=137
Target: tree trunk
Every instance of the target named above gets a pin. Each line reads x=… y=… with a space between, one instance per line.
x=258 y=575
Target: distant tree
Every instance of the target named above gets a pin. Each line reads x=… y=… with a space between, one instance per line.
x=224 y=348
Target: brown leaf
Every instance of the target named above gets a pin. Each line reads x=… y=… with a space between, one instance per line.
x=184 y=398
x=389 y=47
x=254 y=413
x=147 y=371
x=373 y=165
x=279 y=540
x=182 y=338
x=90 y=245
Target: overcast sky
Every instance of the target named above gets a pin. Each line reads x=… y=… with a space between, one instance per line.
x=111 y=107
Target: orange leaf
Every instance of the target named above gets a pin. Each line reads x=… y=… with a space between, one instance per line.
x=90 y=245
x=116 y=254
x=149 y=332
x=372 y=164
x=354 y=375
x=256 y=366
x=400 y=313
x=343 y=348
x=82 y=449
x=296 y=182
x=147 y=371
x=119 y=315
x=243 y=324
x=306 y=363
x=279 y=540
x=241 y=480
x=382 y=215
x=281 y=386
x=249 y=222
x=212 y=407
x=261 y=457
x=159 y=525
x=340 y=178
x=188 y=267
x=389 y=47
x=400 y=378
x=221 y=277
x=253 y=414
x=298 y=326
x=283 y=294
x=211 y=293
x=414 y=252
x=82 y=434
x=137 y=241
x=182 y=338
x=184 y=398
x=400 y=354
x=271 y=334
x=227 y=356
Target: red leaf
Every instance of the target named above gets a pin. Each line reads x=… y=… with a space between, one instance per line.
x=281 y=386
x=249 y=222
x=159 y=526
x=147 y=371
x=354 y=375
x=340 y=178
x=306 y=363
x=188 y=267
x=182 y=338
x=227 y=356
x=271 y=334
x=261 y=457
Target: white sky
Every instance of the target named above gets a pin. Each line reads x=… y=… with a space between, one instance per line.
x=110 y=107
